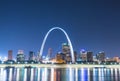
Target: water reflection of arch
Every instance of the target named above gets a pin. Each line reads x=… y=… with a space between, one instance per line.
x=68 y=39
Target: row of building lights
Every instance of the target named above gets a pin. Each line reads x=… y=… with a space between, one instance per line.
x=62 y=57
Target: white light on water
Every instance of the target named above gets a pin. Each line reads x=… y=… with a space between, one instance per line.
x=71 y=75
x=94 y=77
x=4 y=75
x=52 y=74
x=44 y=75
x=10 y=74
x=116 y=77
x=119 y=71
x=17 y=77
x=112 y=73
x=25 y=74
x=76 y=71
x=31 y=77
x=99 y=71
x=38 y=74
x=88 y=74
x=1 y=74
x=82 y=74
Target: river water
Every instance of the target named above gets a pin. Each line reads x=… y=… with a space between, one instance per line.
x=59 y=74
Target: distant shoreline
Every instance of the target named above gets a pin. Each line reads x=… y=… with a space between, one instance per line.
x=59 y=66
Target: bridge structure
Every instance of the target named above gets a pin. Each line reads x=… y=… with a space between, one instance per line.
x=68 y=39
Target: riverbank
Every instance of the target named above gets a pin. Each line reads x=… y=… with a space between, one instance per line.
x=59 y=65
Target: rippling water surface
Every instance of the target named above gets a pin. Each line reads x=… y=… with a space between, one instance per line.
x=59 y=74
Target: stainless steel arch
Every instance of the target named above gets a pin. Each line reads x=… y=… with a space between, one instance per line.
x=68 y=39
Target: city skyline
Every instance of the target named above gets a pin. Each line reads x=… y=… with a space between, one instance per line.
x=93 y=26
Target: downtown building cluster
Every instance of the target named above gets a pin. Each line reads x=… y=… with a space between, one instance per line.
x=61 y=57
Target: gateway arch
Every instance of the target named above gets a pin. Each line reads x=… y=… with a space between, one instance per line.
x=68 y=39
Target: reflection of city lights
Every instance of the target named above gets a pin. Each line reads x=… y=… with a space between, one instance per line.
x=25 y=74
x=44 y=74
x=116 y=77
x=17 y=76
x=10 y=75
x=111 y=73
x=119 y=71
x=71 y=74
x=83 y=74
x=31 y=79
x=52 y=74
x=2 y=74
x=94 y=77
x=38 y=74
x=100 y=73
x=76 y=71
x=88 y=74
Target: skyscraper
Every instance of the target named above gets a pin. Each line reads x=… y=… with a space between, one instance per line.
x=20 y=56
x=89 y=56
x=65 y=49
x=10 y=52
x=66 y=52
x=31 y=56
x=49 y=53
x=101 y=56
x=83 y=55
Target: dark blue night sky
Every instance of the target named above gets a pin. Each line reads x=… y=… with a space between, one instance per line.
x=91 y=25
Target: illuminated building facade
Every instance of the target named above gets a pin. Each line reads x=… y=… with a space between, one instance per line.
x=83 y=55
x=116 y=59
x=20 y=56
x=49 y=53
x=58 y=56
x=58 y=59
x=31 y=56
x=89 y=56
x=65 y=49
x=101 y=56
x=75 y=55
x=66 y=52
x=10 y=52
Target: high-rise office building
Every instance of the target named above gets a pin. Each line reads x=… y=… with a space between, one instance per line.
x=75 y=56
x=49 y=53
x=66 y=52
x=20 y=56
x=65 y=49
x=95 y=59
x=101 y=56
x=58 y=56
x=89 y=56
x=83 y=55
x=31 y=56
x=10 y=52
